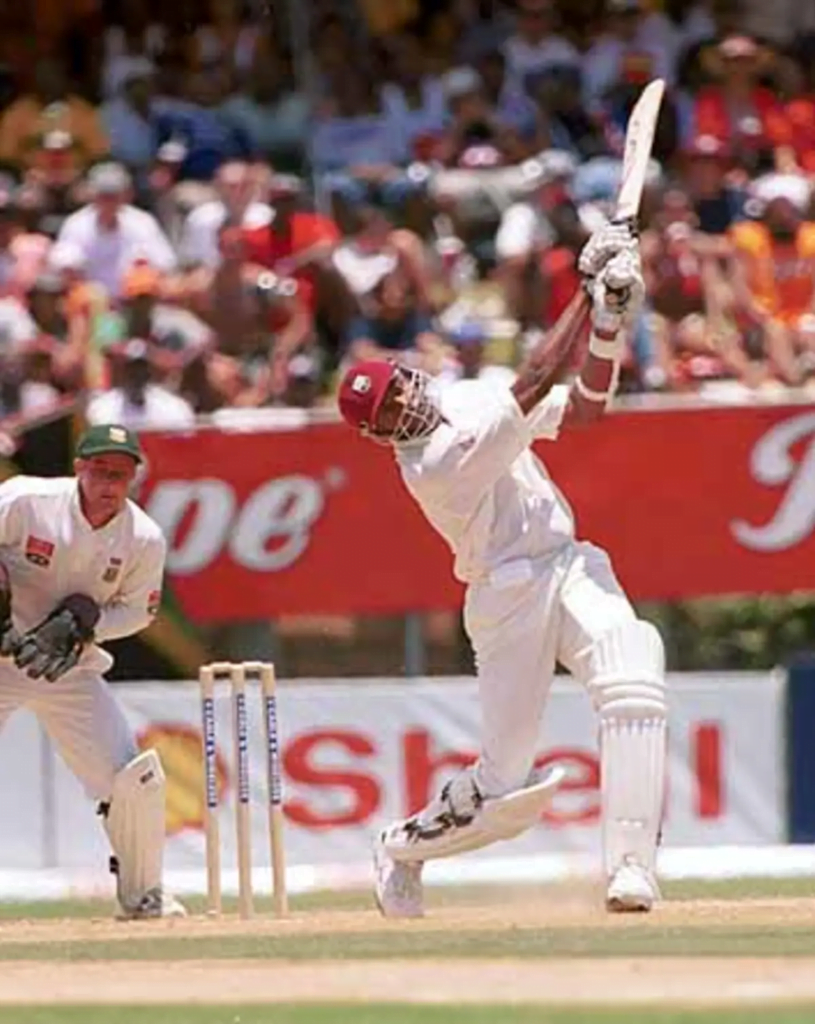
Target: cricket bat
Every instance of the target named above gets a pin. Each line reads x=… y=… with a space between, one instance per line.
x=639 y=140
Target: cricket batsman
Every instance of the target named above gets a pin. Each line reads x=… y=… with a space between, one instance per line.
x=535 y=594
x=81 y=564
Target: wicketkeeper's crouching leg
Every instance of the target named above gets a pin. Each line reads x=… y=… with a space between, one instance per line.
x=134 y=820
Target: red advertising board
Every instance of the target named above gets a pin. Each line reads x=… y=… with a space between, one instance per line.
x=689 y=503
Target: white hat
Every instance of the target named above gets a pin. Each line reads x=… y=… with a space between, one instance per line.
x=792 y=187
x=460 y=81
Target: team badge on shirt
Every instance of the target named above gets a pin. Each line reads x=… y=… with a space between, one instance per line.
x=154 y=602
x=111 y=574
x=39 y=551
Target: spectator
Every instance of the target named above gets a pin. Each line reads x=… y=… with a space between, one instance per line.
x=130 y=46
x=512 y=105
x=137 y=402
x=799 y=107
x=128 y=119
x=237 y=201
x=631 y=32
x=413 y=100
x=271 y=113
x=225 y=45
x=176 y=336
x=60 y=333
x=50 y=107
x=357 y=148
x=774 y=274
x=111 y=234
x=470 y=363
x=198 y=122
x=535 y=43
x=381 y=270
x=741 y=112
x=717 y=203
x=557 y=92
x=694 y=345
x=527 y=232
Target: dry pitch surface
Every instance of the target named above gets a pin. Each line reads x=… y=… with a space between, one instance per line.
x=519 y=946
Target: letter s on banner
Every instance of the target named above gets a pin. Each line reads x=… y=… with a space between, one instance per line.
x=281 y=511
x=772 y=464
x=298 y=762
x=211 y=503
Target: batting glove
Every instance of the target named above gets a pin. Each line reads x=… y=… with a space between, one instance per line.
x=602 y=246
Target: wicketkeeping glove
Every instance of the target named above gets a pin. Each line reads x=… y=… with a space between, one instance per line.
x=55 y=646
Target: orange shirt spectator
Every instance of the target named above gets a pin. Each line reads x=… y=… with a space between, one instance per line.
x=48 y=111
x=779 y=274
x=289 y=245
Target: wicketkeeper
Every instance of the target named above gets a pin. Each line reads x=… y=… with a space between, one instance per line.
x=81 y=564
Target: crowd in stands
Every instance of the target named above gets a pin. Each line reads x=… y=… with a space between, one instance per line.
x=198 y=213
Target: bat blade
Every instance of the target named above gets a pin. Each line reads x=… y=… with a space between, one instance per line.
x=639 y=140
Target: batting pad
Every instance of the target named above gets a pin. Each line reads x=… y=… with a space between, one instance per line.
x=628 y=688
x=430 y=836
x=136 y=828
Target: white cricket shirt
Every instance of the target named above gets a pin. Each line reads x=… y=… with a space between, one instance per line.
x=481 y=486
x=50 y=551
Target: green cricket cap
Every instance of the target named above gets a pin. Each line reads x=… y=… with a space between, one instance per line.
x=108 y=439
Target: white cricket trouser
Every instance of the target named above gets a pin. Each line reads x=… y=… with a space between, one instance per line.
x=81 y=716
x=527 y=617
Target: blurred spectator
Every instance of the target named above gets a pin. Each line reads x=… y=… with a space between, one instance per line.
x=175 y=334
x=469 y=343
x=357 y=148
x=225 y=45
x=413 y=100
x=197 y=121
x=383 y=270
x=295 y=243
x=716 y=202
x=139 y=402
x=633 y=36
x=60 y=332
x=260 y=321
x=799 y=107
x=128 y=119
x=535 y=43
x=557 y=92
x=507 y=96
x=111 y=234
x=527 y=232
x=741 y=112
x=129 y=46
x=695 y=345
x=237 y=188
x=273 y=115
x=51 y=107
x=775 y=274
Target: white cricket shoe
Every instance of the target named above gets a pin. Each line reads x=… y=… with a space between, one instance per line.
x=397 y=887
x=155 y=903
x=632 y=889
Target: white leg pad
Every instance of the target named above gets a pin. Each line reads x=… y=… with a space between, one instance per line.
x=461 y=819
x=628 y=687
x=135 y=824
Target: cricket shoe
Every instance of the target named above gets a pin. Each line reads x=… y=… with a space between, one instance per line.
x=397 y=886
x=154 y=904
x=632 y=889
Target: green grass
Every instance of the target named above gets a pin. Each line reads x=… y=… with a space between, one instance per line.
x=411 y=942
x=735 y=889
x=391 y=1014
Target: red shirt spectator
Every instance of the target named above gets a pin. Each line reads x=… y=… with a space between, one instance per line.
x=290 y=246
x=738 y=110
